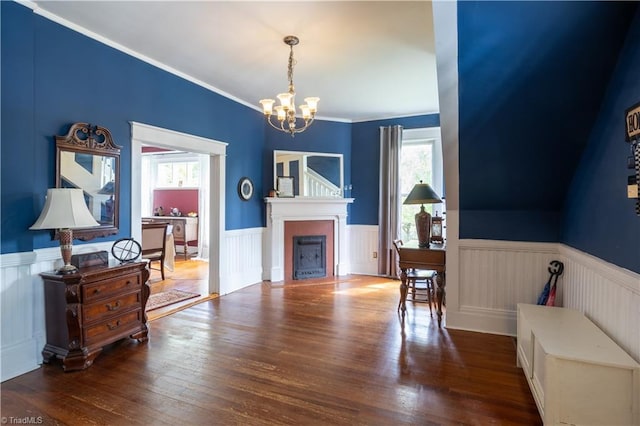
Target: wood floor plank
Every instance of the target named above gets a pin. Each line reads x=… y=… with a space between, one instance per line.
x=314 y=352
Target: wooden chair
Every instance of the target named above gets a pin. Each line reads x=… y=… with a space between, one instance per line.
x=154 y=238
x=416 y=277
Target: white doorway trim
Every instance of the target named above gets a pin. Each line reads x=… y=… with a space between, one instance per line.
x=144 y=134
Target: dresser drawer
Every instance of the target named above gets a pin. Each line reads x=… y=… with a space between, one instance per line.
x=106 y=331
x=107 y=288
x=110 y=307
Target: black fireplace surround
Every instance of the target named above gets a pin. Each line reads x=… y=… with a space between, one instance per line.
x=309 y=256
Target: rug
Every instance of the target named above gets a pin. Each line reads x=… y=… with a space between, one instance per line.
x=166 y=298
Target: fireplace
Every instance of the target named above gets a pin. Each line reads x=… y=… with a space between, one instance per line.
x=309 y=256
x=285 y=214
x=310 y=228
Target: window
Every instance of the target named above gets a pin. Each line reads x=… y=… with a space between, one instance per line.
x=173 y=173
x=420 y=160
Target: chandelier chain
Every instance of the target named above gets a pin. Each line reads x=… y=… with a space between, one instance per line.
x=292 y=63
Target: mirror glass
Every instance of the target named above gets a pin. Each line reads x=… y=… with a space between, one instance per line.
x=95 y=175
x=88 y=159
x=315 y=174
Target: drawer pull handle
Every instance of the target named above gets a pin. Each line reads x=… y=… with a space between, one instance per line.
x=113 y=307
x=96 y=291
x=128 y=282
x=114 y=326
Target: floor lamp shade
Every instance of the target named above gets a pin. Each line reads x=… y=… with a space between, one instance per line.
x=423 y=194
x=65 y=209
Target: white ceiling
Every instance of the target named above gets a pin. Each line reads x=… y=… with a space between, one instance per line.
x=365 y=60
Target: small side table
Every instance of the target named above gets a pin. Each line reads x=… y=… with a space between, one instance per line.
x=432 y=257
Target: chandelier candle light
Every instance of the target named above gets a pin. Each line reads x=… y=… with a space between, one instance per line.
x=65 y=210
x=423 y=194
x=286 y=111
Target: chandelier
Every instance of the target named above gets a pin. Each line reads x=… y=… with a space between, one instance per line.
x=286 y=111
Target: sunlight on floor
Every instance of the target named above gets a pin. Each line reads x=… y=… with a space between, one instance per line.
x=368 y=289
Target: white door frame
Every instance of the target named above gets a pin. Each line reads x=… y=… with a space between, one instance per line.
x=144 y=134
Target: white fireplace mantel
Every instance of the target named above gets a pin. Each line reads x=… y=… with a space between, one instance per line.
x=281 y=210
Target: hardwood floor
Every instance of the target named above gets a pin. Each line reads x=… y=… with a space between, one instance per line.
x=318 y=352
x=188 y=275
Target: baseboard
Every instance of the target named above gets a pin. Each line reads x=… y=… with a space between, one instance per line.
x=482 y=320
x=13 y=359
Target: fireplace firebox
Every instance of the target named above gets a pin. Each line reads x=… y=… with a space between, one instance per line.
x=309 y=256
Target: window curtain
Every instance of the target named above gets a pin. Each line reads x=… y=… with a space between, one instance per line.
x=389 y=202
x=203 y=208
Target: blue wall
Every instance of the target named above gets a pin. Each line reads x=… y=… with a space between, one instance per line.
x=599 y=218
x=323 y=136
x=18 y=159
x=532 y=76
x=365 y=164
x=53 y=76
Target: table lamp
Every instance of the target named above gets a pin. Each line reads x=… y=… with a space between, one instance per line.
x=422 y=194
x=65 y=209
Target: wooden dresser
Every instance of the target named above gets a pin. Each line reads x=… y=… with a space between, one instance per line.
x=185 y=229
x=92 y=308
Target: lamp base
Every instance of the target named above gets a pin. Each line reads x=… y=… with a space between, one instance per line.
x=423 y=227
x=67 y=269
x=66 y=246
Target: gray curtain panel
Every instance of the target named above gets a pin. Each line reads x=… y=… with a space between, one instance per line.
x=389 y=203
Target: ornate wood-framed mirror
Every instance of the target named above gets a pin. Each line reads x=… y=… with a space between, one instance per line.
x=87 y=158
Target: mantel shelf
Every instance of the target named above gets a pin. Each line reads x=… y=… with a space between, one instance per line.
x=308 y=200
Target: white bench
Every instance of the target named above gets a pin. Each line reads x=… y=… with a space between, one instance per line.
x=577 y=374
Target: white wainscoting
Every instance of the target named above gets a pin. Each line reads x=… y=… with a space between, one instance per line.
x=494 y=277
x=363 y=242
x=243 y=255
x=22 y=296
x=22 y=306
x=608 y=295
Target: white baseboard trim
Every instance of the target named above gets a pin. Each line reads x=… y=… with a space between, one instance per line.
x=481 y=320
x=14 y=361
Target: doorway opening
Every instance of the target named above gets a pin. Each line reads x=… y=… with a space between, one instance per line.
x=144 y=134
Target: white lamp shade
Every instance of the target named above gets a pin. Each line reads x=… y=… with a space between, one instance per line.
x=65 y=208
x=313 y=103
x=285 y=100
x=306 y=113
x=267 y=105
x=282 y=114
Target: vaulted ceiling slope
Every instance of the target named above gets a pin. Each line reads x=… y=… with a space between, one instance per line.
x=532 y=76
